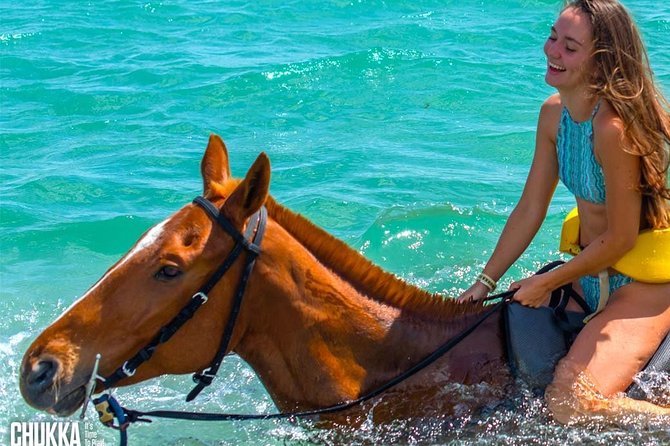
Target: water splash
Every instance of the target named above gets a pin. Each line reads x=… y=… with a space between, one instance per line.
x=575 y=399
x=655 y=386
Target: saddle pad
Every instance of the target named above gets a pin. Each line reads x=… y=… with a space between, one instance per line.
x=536 y=342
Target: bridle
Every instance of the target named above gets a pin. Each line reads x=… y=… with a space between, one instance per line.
x=250 y=243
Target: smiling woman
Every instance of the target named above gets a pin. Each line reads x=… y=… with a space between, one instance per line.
x=568 y=49
x=606 y=136
x=404 y=128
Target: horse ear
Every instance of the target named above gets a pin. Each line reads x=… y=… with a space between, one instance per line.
x=214 y=167
x=251 y=193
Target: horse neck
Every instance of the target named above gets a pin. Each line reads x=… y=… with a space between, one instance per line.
x=322 y=316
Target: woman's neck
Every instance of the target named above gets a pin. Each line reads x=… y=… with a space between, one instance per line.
x=580 y=103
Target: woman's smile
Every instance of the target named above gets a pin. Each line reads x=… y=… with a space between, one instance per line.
x=555 y=68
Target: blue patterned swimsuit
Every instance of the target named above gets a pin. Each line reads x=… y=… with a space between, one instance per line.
x=579 y=170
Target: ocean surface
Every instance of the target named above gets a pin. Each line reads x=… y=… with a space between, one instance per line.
x=405 y=128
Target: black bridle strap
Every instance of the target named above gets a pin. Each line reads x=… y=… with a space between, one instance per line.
x=257 y=224
x=246 y=240
x=206 y=377
x=134 y=415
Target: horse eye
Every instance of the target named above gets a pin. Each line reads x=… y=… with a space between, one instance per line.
x=168 y=272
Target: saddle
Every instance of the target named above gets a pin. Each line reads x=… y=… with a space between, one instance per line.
x=537 y=338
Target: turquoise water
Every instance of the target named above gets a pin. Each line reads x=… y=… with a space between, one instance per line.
x=404 y=128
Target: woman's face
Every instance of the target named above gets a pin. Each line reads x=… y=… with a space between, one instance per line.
x=568 y=50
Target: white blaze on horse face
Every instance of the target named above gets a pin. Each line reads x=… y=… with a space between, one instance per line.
x=149 y=239
x=145 y=242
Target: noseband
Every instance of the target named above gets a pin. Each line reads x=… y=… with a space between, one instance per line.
x=249 y=242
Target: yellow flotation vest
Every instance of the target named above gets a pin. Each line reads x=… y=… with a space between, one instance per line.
x=648 y=261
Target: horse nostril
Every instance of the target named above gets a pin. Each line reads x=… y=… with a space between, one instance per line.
x=42 y=375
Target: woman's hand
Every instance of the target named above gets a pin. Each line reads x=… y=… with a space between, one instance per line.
x=531 y=292
x=477 y=291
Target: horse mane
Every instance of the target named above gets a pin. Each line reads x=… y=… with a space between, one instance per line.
x=366 y=277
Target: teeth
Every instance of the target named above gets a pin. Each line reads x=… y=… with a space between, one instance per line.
x=556 y=67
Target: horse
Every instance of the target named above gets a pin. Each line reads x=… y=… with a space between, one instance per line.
x=319 y=324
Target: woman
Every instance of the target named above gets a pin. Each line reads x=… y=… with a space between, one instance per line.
x=606 y=135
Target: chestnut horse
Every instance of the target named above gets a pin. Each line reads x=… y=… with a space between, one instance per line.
x=319 y=323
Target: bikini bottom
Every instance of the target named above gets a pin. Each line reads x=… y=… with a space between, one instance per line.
x=591 y=287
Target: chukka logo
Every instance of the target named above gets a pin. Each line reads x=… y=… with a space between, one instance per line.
x=43 y=433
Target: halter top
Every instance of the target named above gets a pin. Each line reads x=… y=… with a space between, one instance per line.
x=578 y=168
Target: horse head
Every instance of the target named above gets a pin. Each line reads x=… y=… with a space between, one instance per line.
x=144 y=290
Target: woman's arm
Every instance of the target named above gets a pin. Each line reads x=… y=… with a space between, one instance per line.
x=623 y=204
x=529 y=213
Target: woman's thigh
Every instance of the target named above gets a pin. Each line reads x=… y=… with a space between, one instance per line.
x=619 y=341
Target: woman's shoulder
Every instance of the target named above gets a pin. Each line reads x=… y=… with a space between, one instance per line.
x=550 y=115
x=606 y=121
x=553 y=101
x=608 y=130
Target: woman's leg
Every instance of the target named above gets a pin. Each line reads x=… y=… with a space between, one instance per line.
x=610 y=350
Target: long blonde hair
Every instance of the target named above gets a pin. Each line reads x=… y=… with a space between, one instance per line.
x=622 y=76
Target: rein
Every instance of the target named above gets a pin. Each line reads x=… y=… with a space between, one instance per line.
x=425 y=362
x=109 y=409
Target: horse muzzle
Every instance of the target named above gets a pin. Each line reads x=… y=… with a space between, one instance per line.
x=43 y=386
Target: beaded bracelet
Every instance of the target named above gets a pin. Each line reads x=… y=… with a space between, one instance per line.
x=487 y=281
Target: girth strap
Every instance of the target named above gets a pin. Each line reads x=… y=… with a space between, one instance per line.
x=604 y=282
x=560 y=297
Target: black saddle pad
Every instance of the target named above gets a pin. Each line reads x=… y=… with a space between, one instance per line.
x=537 y=340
